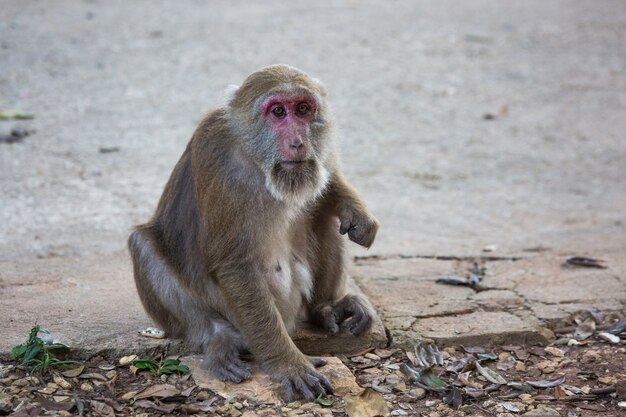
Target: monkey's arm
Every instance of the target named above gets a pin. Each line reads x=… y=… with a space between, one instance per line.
x=355 y=218
x=256 y=316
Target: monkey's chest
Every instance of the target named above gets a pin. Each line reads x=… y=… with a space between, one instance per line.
x=291 y=283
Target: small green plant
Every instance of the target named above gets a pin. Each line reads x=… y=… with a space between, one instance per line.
x=169 y=367
x=36 y=353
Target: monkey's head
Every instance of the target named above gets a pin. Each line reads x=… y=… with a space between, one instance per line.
x=281 y=116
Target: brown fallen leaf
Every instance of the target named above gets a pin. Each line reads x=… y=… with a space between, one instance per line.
x=157 y=391
x=156 y=405
x=188 y=391
x=94 y=375
x=585 y=262
x=200 y=407
x=73 y=373
x=367 y=404
x=491 y=375
x=101 y=409
x=547 y=383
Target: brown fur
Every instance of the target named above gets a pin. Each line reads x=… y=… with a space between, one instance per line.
x=225 y=259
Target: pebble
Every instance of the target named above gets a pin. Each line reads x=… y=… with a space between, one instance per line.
x=86 y=387
x=47 y=390
x=61 y=382
x=542 y=412
x=430 y=403
x=203 y=396
x=399 y=413
x=609 y=337
x=126 y=360
x=417 y=393
x=372 y=356
x=621 y=404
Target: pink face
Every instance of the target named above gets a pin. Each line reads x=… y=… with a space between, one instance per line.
x=289 y=116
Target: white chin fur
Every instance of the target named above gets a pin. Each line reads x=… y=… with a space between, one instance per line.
x=303 y=195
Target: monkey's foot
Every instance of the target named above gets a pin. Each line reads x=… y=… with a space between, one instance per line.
x=307 y=383
x=227 y=367
x=352 y=309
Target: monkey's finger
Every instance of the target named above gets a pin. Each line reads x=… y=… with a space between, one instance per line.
x=288 y=389
x=359 y=322
x=304 y=389
x=323 y=381
x=329 y=319
x=316 y=361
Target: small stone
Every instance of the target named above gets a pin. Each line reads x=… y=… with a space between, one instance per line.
x=554 y=351
x=399 y=413
x=86 y=387
x=203 y=396
x=430 y=403
x=589 y=356
x=127 y=360
x=504 y=415
x=238 y=405
x=609 y=337
x=6 y=405
x=520 y=366
x=61 y=398
x=266 y=412
x=249 y=413
x=417 y=393
x=526 y=398
x=234 y=413
x=621 y=404
x=384 y=353
x=399 y=387
x=61 y=382
x=47 y=390
x=294 y=404
x=372 y=356
x=22 y=382
x=542 y=412
x=392 y=379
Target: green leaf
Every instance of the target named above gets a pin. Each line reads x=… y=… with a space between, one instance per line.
x=31 y=353
x=19 y=351
x=15 y=115
x=429 y=378
x=323 y=402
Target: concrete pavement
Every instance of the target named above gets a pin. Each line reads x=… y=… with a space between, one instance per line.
x=465 y=125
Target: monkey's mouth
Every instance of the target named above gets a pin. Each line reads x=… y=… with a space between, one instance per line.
x=292 y=164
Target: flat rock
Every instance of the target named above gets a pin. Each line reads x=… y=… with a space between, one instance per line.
x=91 y=304
x=259 y=388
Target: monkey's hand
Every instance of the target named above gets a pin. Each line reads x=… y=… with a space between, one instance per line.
x=353 y=308
x=359 y=224
x=300 y=379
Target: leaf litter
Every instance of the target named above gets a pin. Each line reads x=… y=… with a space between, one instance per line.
x=424 y=380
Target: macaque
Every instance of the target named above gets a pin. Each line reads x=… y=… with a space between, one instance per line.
x=246 y=239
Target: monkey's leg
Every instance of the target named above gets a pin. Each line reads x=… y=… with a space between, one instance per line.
x=331 y=305
x=183 y=316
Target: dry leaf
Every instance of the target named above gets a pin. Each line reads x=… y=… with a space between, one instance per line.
x=492 y=376
x=102 y=409
x=367 y=404
x=155 y=405
x=157 y=391
x=73 y=373
x=94 y=375
x=196 y=408
x=547 y=383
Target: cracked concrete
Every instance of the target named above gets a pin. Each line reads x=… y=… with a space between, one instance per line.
x=410 y=84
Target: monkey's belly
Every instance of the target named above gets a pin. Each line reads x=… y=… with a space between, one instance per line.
x=291 y=284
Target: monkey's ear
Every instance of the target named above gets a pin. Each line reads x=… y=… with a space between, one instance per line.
x=229 y=94
x=322 y=87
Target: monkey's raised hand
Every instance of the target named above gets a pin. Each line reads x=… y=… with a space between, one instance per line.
x=359 y=224
x=302 y=380
x=352 y=307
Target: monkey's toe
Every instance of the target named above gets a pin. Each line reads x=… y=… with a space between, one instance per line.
x=233 y=370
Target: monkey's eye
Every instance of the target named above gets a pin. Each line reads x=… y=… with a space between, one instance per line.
x=279 y=111
x=302 y=109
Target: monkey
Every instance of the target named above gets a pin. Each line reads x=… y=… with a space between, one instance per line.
x=246 y=240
